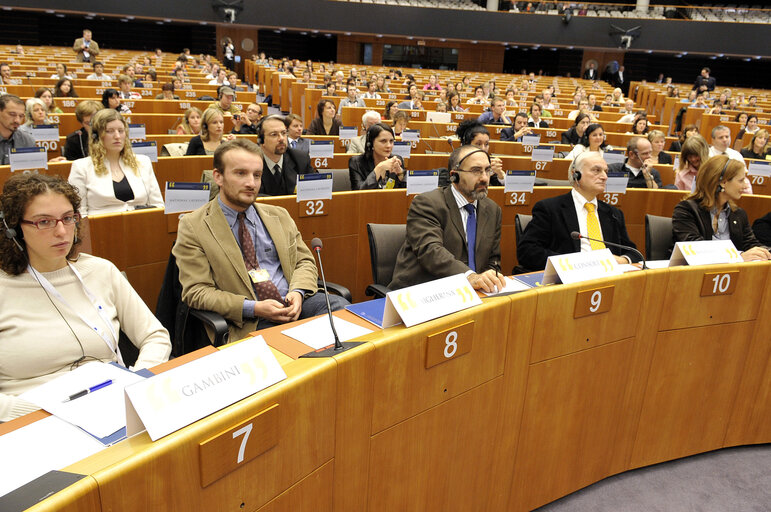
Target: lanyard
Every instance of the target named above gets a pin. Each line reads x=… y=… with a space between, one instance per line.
x=112 y=344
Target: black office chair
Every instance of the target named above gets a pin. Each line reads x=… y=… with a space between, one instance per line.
x=520 y=223
x=659 y=240
x=186 y=326
x=385 y=240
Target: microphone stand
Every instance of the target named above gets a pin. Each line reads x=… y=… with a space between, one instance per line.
x=575 y=235
x=338 y=347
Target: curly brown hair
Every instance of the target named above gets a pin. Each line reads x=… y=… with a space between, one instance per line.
x=18 y=191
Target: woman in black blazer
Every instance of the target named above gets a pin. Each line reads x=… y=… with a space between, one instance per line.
x=327 y=123
x=710 y=212
x=376 y=167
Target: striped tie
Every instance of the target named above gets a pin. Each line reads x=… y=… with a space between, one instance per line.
x=593 y=227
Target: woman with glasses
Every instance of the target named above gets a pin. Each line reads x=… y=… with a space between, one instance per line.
x=112 y=178
x=60 y=310
x=377 y=167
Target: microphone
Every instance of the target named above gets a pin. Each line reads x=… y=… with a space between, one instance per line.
x=339 y=347
x=317 y=246
x=575 y=235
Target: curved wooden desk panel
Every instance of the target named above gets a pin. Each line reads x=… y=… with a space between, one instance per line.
x=532 y=412
x=140 y=475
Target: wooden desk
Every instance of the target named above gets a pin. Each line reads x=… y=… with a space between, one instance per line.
x=543 y=404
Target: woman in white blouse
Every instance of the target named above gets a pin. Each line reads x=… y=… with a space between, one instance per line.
x=113 y=179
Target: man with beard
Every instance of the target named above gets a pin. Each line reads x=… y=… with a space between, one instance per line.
x=11 y=117
x=245 y=260
x=281 y=163
x=555 y=218
x=454 y=229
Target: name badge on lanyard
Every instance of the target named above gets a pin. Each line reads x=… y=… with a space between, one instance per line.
x=112 y=344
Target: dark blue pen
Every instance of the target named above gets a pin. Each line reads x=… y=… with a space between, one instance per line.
x=89 y=390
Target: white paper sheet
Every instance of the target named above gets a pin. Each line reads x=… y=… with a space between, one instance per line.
x=100 y=413
x=318 y=333
x=40 y=447
x=512 y=285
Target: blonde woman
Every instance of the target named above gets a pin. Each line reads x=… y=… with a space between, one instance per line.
x=191 y=122
x=212 y=129
x=658 y=139
x=112 y=178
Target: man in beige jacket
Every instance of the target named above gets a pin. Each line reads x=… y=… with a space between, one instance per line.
x=273 y=283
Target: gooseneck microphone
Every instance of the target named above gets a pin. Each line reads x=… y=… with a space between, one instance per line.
x=317 y=246
x=575 y=235
x=339 y=347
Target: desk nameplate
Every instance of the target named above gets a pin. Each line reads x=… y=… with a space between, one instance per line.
x=227 y=451
x=449 y=344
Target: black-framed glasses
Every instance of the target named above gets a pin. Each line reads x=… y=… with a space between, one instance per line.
x=68 y=220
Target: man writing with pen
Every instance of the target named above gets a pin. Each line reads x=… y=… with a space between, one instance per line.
x=454 y=229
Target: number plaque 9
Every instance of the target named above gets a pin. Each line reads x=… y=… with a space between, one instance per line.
x=593 y=302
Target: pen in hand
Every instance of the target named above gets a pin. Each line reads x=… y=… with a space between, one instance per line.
x=89 y=390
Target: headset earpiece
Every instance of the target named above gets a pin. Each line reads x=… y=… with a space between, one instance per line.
x=94 y=135
x=576 y=174
x=454 y=178
x=10 y=232
x=260 y=133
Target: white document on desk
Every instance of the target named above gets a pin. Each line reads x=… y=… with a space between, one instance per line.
x=317 y=333
x=512 y=286
x=40 y=447
x=100 y=413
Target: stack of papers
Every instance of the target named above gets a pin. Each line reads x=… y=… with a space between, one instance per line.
x=100 y=413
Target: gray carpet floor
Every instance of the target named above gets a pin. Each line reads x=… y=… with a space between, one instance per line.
x=728 y=480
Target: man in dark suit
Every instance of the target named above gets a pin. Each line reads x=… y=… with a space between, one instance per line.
x=281 y=163
x=639 y=165
x=619 y=79
x=294 y=127
x=548 y=233
x=591 y=72
x=518 y=129
x=704 y=82
x=454 y=229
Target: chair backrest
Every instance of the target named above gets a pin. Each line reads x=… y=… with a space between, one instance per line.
x=659 y=240
x=520 y=223
x=385 y=240
x=341 y=180
x=174 y=149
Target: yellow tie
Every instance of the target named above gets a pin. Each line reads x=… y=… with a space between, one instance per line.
x=593 y=227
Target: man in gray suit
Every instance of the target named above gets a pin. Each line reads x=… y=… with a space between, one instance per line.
x=454 y=229
x=356 y=145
